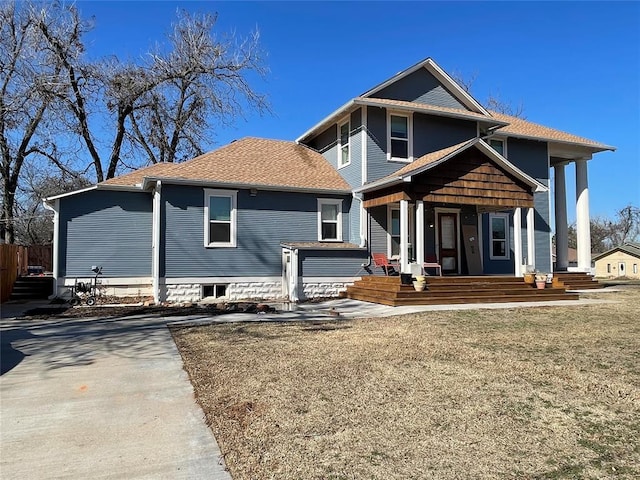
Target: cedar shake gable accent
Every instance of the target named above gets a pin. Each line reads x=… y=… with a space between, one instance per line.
x=469 y=173
x=255 y=162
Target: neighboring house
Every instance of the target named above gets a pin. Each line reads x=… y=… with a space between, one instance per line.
x=622 y=261
x=414 y=168
x=572 y=258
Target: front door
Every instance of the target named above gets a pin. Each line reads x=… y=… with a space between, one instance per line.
x=448 y=241
x=622 y=271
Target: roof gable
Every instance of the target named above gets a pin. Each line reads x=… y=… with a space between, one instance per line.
x=420 y=86
x=630 y=248
x=428 y=83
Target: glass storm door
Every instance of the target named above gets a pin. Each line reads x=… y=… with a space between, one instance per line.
x=448 y=241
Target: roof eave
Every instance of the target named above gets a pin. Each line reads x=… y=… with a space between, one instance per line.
x=373 y=103
x=594 y=148
x=328 y=120
x=240 y=185
x=99 y=186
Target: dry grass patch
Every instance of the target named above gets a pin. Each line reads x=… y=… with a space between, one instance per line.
x=549 y=392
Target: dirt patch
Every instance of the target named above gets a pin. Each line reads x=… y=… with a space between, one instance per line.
x=548 y=392
x=67 y=311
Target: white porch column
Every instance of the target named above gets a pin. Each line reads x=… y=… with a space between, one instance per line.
x=155 y=242
x=517 y=241
x=562 y=231
x=55 y=208
x=419 y=249
x=583 y=227
x=404 y=236
x=531 y=237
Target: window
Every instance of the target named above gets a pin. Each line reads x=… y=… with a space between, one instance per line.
x=215 y=291
x=399 y=137
x=329 y=220
x=343 y=145
x=220 y=218
x=635 y=268
x=499 y=227
x=497 y=145
x=608 y=268
x=394 y=232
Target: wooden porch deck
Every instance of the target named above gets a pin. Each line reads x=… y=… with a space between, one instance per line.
x=454 y=290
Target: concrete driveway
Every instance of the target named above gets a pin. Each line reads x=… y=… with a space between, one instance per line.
x=99 y=398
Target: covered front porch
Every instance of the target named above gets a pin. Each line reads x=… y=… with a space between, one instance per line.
x=466 y=208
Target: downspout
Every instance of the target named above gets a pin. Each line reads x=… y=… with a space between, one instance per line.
x=155 y=242
x=364 y=229
x=55 y=208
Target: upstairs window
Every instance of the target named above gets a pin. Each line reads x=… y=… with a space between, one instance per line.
x=344 y=157
x=399 y=137
x=220 y=218
x=497 y=145
x=499 y=227
x=329 y=220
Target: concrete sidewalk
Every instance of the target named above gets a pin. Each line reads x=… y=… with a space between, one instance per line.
x=99 y=398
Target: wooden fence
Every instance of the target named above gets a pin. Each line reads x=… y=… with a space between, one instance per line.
x=14 y=260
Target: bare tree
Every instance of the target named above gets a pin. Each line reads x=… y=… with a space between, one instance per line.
x=493 y=101
x=33 y=224
x=201 y=79
x=607 y=233
x=162 y=109
x=29 y=76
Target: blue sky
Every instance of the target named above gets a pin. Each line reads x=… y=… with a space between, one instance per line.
x=574 y=66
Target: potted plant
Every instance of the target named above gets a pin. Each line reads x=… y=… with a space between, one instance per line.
x=541 y=280
x=420 y=283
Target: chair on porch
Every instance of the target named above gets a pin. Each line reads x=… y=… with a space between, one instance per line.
x=380 y=260
x=431 y=261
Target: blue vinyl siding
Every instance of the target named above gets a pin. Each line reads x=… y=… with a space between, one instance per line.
x=431 y=133
x=532 y=158
x=543 y=230
x=422 y=87
x=529 y=156
x=325 y=139
x=354 y=222
x=352 y=173
x=106 y=228
x=378 y=229
x=377 y=164
x=332 y=263
x=263 y=223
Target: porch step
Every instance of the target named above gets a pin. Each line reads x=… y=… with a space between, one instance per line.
x=32 y=288
x=575 y=281
x=453 y=290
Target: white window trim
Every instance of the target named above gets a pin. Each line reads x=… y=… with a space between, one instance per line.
x=409 y=117
x=390 y=210
x=346 y=121
x=330 y=201
x=233 y=194
x=504 y=144
x=412 y=228
x=507 y=240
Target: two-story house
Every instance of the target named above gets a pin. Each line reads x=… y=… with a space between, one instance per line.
x=415 y=168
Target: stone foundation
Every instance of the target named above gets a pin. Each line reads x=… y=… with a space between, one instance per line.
x=323 y=289
x=192 y=292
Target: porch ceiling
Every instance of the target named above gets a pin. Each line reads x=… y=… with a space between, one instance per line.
x=468 y=178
